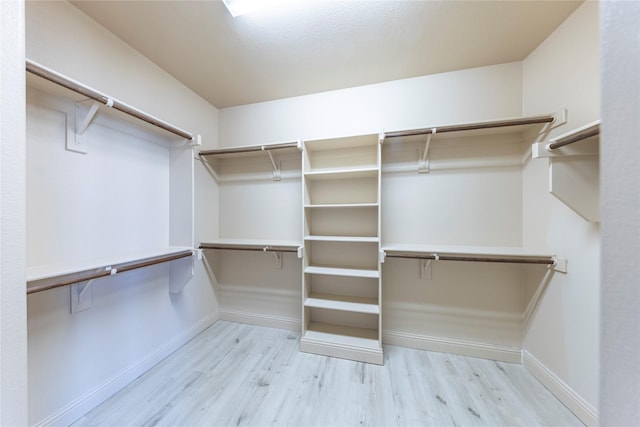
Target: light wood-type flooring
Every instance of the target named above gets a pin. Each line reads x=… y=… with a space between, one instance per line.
x=242 y=375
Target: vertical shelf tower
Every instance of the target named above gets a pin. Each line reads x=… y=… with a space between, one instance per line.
x=341 y=294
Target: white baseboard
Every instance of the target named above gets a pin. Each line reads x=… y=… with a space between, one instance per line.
x=572 y=400
x=266 y=320
x=446 y=345
x=83 y=404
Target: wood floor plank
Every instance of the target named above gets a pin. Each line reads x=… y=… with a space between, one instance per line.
x=244 y=375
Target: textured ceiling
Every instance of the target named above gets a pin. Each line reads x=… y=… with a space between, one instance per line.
x=304 y=47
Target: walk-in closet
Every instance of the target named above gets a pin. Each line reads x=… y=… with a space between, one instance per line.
x=328 y=213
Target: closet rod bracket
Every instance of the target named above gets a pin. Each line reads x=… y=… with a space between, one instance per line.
x=559 y=264
x=83 y=120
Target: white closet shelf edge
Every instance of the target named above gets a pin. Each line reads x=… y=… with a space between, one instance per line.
x=48 y=271
x=490 y=251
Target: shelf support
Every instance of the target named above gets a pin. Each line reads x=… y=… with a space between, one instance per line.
x=277 y=258
x=78 y=143
x=275 y=163
x=425 y=268
x=423 y=164
x=82 y=295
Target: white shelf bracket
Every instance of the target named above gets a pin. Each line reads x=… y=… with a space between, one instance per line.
x=82 y=295
x=563 y=119
x=196 y=141
x=425 y=269
x=559 y=264
x=299 y=144
x=300 y=252
x=276 y=165
x=79 y=143
x=180 y=273
x=423 y=163
x=277 y=257
x=381 y=137
x=382 y=256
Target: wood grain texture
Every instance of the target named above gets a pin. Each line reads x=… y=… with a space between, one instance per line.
x=235 y=374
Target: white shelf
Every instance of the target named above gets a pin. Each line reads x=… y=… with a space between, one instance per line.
x=251 y=244
x=343 y=303
x=349 y=239
x=518 y=125
x=346 y=272
x=344 y=336
x=249 y=150
x=342 y=205
x=344 y=143
x=342 y=173
x=485 y=251
x=41 y=272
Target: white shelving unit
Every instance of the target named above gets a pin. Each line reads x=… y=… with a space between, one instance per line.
x=341 y=275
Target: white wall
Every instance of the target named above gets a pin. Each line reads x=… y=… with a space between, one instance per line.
x=13 y=315
x=467 y=95
x=620 y=148
x=562 y=333
x=124 y=184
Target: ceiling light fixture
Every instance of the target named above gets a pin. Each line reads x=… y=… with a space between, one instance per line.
x=242 y=7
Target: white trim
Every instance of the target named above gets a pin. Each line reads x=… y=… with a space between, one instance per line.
x=83 y=404
x=445 y=345
x=572 y=400
x=266 y=320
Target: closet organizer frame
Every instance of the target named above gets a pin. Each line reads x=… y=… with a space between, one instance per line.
x=81 y=275
x=543 y=124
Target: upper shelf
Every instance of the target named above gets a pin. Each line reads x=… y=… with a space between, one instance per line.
x=248 y=150
x=507 y=254
x=53 y=82
x=513 y=125
x=224 y=170
x=262 y=245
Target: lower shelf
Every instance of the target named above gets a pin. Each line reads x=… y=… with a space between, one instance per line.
x=344 y=303
x=343 y=341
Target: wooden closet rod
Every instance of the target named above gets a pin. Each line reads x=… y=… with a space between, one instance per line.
x=240 y=247
x=473 y=259
x=578 y=136
x=248 y=149
x=77 y=87
x=120 y=268
x=472 y=126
